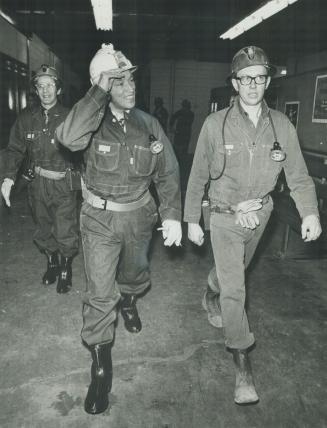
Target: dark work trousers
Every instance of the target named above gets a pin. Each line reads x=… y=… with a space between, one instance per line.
x=115 y=246
x=233 y=248
x=54 y=208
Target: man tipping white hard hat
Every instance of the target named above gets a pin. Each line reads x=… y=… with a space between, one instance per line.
x=107 y=58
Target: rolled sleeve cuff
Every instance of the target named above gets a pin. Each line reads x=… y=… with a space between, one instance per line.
x=192 y=218
x=98 y=95
x=311 y=210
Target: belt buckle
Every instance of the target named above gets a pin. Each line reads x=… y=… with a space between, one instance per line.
x=104 y=201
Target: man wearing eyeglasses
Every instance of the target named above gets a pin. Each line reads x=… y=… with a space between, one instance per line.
x=241 y=151
x=53 y=201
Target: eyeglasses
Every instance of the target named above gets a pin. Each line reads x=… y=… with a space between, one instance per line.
x=47 y=86
x=247 y=80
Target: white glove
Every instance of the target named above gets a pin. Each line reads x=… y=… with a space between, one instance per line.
x=249 y=205
x=310 y=228
x=6 y=189
x=195 y=233
x=248 y=220
x=244 y=214
x=172 y=232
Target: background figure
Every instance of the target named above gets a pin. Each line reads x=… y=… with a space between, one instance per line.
x=53 y=202
x=181 y=125
x=160 y=113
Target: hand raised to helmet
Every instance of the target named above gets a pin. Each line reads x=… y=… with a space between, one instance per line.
x=106 y=79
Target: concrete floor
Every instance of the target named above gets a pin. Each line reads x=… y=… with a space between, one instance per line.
x=176 y=372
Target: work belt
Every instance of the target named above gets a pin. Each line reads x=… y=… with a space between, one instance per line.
x=52 y=175
x=230 y=209
x=105 y=204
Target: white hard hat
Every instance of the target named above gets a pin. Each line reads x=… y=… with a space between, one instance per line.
x=107 y=59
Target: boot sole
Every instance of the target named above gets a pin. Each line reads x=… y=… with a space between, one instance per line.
x=247 y=403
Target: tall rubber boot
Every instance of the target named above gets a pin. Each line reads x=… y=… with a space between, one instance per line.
x=129 y=313
x=96 y=400
x=64 y=283
x=52 y=272
x=245 y=392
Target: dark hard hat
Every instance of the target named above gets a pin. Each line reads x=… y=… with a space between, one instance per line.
x=46 y=70
x=248 y=56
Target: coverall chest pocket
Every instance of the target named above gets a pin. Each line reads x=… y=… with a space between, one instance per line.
x=32 y=136
x=232 y=153
x=33 y=140
x=106 y=155
x=144 y=160
x=270 y=167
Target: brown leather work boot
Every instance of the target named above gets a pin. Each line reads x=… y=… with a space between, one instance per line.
x=245 y=392
x=210 y=303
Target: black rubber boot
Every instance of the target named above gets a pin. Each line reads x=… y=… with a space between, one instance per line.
x=96 y=400
x=65 y=275
x=245 y=392
x=129 y=313
x=52 y=272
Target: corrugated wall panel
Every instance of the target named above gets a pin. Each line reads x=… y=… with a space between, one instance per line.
x=194 y=81
x=161 y=83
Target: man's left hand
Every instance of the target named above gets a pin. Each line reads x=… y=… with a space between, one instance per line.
x=310 y=228
x=172 y=232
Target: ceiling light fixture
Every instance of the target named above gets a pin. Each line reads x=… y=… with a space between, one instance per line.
x=266 y=11
x=102 y=10
x=7 y=17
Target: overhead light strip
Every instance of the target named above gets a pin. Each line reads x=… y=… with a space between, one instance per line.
x=263 y=12
x=7 y=17
x=102 y=10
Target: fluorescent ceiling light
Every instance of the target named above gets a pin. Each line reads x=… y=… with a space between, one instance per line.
x=102 y=10
x=266 y=11
x=7 y=17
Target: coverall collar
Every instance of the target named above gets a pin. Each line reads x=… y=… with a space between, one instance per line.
x=239 y=111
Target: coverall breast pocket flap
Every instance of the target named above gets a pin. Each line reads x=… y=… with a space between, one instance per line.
x=106 y=155
x=232 y=151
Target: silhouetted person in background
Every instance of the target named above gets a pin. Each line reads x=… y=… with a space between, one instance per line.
x=160 y=113
x=181 y=124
